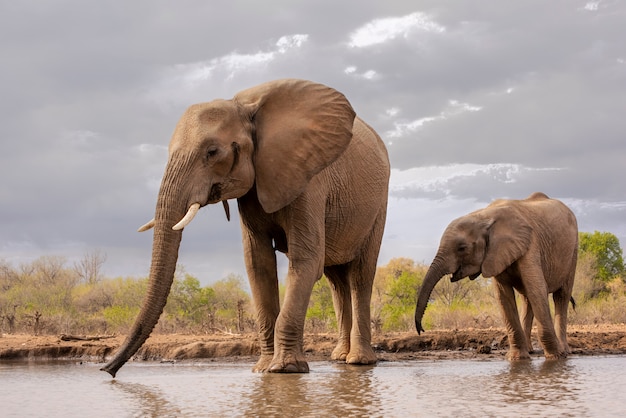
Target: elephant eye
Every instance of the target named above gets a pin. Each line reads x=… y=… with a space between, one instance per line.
x=211 y=152
x=461 y=247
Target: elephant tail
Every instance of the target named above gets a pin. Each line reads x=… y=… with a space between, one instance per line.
x=571 y=299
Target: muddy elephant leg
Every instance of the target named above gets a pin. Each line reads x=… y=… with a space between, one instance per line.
x=261 y=268
x=342 y=303
x=527 y=320
x=518 y=345
x=561 y=304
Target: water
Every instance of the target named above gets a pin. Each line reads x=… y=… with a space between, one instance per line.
x=576 y=387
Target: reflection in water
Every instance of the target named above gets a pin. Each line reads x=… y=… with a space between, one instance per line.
x=147 y=401
x=354 y=393
x=278 y=394
x=341 y=390
x=575 y=387
x=549 y=383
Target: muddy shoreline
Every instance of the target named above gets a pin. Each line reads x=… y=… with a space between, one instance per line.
x=586 y=340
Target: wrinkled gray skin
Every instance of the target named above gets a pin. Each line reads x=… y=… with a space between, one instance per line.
x=310 y=180
x=528 y=245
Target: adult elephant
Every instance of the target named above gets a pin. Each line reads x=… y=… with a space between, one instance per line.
x=528 y=245
x=311 y=181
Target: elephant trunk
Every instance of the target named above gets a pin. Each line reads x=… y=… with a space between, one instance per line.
x=433 y=275
x=165 y=247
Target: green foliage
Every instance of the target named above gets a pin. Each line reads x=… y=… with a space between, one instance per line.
x=192 y=308
x=605 y=308
x=40 y=290
x=320 y=315
x=46 y=296
x=481 y=312
x=232 y=303
x=399 y=310
x=586 y=284
x=394 y=294
x=606 y=250
x=120 y=317
x=189 y=301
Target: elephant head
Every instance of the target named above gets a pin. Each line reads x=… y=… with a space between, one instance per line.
x=483 y=242
x=270 y=140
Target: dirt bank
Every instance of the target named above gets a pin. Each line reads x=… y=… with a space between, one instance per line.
x=436 y=344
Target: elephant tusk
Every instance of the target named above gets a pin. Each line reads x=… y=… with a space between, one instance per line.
x=226 y=209
x=193 y=209
x=147 y=226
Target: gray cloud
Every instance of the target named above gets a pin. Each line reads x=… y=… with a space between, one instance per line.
x=476 y=100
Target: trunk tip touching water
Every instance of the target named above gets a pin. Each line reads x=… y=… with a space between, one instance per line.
x=112 y=367
x=166 y=240
x=165 y=255
x=133 y=342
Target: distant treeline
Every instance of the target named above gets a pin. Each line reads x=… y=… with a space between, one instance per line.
x=47 y=296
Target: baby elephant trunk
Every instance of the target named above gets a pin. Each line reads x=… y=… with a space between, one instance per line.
x=433 y=275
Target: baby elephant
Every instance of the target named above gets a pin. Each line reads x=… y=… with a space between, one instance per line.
x=528 y=245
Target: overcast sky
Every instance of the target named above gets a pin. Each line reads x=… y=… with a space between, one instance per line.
x=476 y=100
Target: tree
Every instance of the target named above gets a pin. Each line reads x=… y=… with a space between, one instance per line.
x=232 y=302
x=89 y=267
x=450 y=293
x=8 y=276
x=190 y=303
x=606 y=250
x=49 y=270
x=127 y=294
x=586 y=286
x=399 y=310
x=394 y=293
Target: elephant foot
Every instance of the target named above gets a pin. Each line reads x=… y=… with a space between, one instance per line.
x=288 y=364
x=263 y=364
x=364 y=355
x=516 y=355
x=556 y=356
x=340 y=352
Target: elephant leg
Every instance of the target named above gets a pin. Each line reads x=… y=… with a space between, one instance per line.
x=289 y=333
x=306 y=237
x=537 y=294
x=342 y=302
x=361 y=277
x=561 y=304
x=361 y=274
x=261 y=268
x=527 y=320
x=518 y=344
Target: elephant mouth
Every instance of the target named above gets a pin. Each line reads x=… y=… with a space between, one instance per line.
x=215 y=195
x=458 y=275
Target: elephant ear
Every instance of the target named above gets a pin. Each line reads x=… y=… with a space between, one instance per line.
x=300 y=128
x=509 y=238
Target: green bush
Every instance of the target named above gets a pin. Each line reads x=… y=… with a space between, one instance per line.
x=120 y=317
x=320 y=316
x=47 y=297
